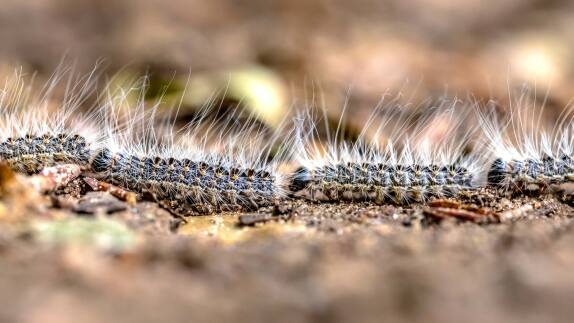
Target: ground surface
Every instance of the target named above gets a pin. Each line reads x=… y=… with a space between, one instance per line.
x=94 y=258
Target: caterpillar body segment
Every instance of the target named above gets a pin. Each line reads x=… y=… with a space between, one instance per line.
x=201 y=187
x=402 y=163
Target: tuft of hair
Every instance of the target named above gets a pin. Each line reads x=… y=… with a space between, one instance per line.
x=217 y=162
x=403 y=154
x=527 y=154
x=48 y=125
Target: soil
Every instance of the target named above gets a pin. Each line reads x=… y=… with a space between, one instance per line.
x=479 y=258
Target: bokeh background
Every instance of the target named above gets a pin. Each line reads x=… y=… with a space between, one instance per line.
x=270 y=54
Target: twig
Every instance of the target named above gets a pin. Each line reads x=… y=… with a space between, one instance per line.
x=129 y=197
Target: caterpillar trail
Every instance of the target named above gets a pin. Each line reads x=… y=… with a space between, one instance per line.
x=528 y=156
x=215 y=164
x=417 y=161
x=40 y=130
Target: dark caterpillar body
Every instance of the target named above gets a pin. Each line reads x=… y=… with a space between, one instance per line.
x=30 y=154
x=188 y=186
x=381 y=183
x=531 y=174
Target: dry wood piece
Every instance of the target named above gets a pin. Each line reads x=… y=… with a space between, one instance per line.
x=129 y=197
x=444 y=209
x=443 y=213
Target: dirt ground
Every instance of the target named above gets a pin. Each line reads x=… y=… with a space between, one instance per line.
x=90 y=257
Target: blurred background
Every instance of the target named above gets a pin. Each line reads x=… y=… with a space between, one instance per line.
x=273 y=54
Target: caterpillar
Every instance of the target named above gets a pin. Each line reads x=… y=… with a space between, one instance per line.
x=527 y=156
x=410 y=167
x=38 y=130
x=213 y=165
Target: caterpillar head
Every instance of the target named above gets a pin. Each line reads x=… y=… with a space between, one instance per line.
x=498 y=172
x=102 y=161
x=300 y=180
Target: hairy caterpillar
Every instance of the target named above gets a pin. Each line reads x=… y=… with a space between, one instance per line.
x=215 y=164
x=411 y=166
x=527 y=155
x=38 y=130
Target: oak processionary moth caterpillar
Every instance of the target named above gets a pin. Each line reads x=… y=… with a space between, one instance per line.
x=529 y=156
x=214 y=165
x=35 y=134
x=409 y=166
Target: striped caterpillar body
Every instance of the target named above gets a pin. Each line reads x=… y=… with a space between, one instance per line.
x=380 y=183
x=30 y=154
x=414 y=172
x=187 y=185
x=220 y=161
x=531 y=174
x=526 y=155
